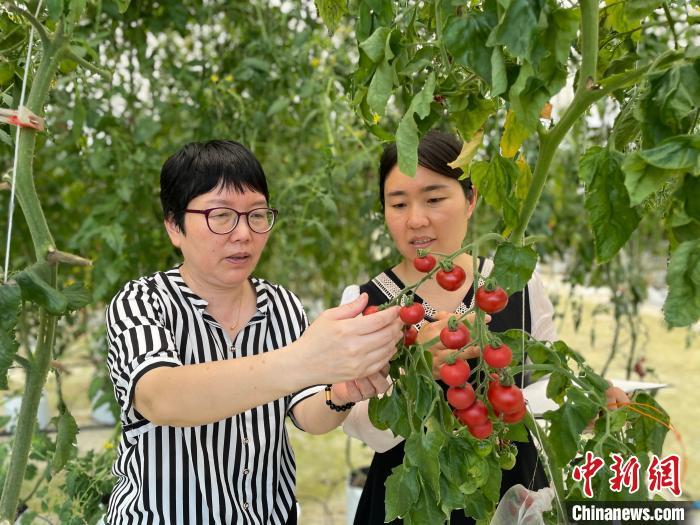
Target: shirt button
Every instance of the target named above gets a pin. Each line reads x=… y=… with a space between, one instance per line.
x=245 y=472
x=245 y=505
x=246 y=440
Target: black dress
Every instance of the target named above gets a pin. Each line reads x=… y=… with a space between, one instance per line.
x=528 y=470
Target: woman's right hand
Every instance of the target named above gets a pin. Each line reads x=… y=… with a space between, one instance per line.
x=342 y=345
x=440 y=353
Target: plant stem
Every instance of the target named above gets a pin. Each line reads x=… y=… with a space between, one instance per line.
x=43 y=243
x=36 y=378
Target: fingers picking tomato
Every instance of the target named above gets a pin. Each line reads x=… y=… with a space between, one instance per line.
x=455 y=374
x=491 y=301
x=412 y=313
x=451 y=280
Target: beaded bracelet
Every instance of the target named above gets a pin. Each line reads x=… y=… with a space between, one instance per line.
x=333 y=406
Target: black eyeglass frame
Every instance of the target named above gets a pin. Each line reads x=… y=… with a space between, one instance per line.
x=246 y=214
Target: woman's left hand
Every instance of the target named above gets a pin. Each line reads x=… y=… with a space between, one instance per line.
x=616 y=397
x=363 y=388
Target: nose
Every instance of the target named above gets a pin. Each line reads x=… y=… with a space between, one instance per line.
x=241 y=233
x=417 y=218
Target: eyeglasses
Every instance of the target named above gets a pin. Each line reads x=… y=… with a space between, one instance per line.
x=223 y=220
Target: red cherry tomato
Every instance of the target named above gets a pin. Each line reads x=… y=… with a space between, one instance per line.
x=370 y=310
x=424 y=264
x=410 y=335
x=456 y=374
x=474 y=415
x=516 y=416
x=412 y=314
x=451 y=280
x=505 y=399
x=482 y=431
x=455 y=339
x=461 y=397
x=492 y=301
x=499 y=356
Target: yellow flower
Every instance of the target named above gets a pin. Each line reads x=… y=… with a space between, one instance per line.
x=376 y=118
x=214 y=78
x=315 y=62
x=228 y=78
x=108 y=445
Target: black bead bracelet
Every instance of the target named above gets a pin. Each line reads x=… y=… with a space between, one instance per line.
x=333 y=406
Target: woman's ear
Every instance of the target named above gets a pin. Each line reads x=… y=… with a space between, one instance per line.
x=472 y=202
x=174 y=231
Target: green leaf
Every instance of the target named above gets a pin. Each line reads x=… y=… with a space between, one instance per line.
x=499 y=78
x=607 y=202
x=55 y=9
x=10 y=303
x=402 y=491
x=380 y=88
x=407 y=131
x=516 y=28
x=422 y=451
x=648 y=435
x=123 y=5
x=568 y=422
x=625 y=16
x=36 y=289
x=556 y=387
x=331 y=11
x=682 y=306
x=66 y=440
x=469 y=112
x=496 y=181
x=514 y=134
x=6 y=138
x=646 y=171
x=513 y=266
x=690 y=192
x=465 y=38
x=277 y=106
x=374 y=46
x=492 y=487
x=77 y=296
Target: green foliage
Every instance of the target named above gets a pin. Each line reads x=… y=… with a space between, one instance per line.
x=513 y=266
x=10 y=301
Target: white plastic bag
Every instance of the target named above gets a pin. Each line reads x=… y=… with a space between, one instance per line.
x=520 y=506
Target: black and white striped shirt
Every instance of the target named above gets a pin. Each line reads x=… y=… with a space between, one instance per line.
x=237 y=471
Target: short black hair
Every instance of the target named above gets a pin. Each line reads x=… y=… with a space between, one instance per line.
x=199 y=167
x=435 y=151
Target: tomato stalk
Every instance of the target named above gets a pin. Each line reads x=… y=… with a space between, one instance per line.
x=37 y=364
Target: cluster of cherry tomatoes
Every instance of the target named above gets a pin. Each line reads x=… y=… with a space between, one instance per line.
x=505 y=400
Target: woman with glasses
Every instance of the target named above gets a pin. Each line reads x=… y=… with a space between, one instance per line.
x=207 y=361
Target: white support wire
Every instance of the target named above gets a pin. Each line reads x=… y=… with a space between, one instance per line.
x=11 y=207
